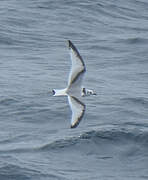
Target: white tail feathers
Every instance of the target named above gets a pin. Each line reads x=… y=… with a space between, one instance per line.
x=59 y=92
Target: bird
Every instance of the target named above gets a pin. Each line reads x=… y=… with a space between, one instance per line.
x=74 y=90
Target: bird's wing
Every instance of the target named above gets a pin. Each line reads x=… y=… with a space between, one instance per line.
x=77 y=69
x=78 y=109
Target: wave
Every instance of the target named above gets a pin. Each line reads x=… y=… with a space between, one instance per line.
x=14 y=172
x=133 y=40
x=101 y=137
x=93 y=140
x=142 y=101
x=18 y=172
x=8 y=101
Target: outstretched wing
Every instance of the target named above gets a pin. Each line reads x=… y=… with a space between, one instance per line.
x=77 y=69
x=78 y=109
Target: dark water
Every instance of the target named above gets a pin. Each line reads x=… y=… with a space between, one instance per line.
x=36 y=143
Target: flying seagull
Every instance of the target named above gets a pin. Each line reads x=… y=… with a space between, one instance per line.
x=75 y=90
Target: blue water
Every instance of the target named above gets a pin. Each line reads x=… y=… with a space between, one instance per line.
x=36 y=142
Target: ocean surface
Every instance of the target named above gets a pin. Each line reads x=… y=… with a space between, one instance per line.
x=36 y=142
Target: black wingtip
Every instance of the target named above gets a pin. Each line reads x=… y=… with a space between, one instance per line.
x=73 y=126
x=69 y=43
x=77 y=123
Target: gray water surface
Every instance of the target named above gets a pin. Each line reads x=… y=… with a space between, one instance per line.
x=36 y=142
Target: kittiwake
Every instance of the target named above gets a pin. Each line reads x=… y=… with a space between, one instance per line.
x=75 y=90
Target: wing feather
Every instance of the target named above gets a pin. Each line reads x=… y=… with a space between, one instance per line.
x=78 y=109
x=77 y=69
